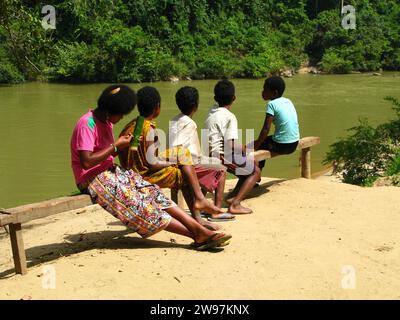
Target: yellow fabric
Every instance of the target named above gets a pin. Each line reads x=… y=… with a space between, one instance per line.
x=169 y=177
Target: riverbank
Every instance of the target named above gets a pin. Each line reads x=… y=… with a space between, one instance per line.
x=341 y=238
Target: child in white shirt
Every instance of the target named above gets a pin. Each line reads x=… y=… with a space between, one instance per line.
x=223 y=136
x=183 y=132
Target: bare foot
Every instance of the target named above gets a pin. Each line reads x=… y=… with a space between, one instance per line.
x=222 y=215
x=206 y=206
x=213 y=237
x=209 y=225
x=239 y=209
x=229 y=200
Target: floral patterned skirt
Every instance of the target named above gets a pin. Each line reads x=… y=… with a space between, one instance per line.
x=128 y=197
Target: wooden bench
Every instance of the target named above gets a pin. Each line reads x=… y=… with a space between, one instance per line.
x=304 y=146
x=15 y=217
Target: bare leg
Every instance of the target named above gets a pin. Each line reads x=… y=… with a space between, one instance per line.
x=231 y=195
x=219 y=195
x=200 y=202
x=187 y=226
x=219 y=192
x=248 y=184
x=188 y=195
x=189 y=198
x=176 y=227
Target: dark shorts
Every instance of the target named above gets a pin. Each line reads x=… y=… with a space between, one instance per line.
x=276 y=147
x=243 y=169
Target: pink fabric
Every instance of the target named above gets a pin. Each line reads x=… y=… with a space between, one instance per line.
x=90 y=134
x=208 y=178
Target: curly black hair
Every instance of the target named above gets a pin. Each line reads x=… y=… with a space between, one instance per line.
x=117 y=100
x=148 y=100
x=275 y=83
x=187 y=99
x=224 y=92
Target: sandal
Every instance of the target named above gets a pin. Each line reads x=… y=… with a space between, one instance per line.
x=211 y=242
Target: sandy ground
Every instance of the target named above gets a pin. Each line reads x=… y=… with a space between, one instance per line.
x=307 y=239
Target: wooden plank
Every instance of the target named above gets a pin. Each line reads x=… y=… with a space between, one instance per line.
x=306 y=163
x=303 y=143
x=43 y=209
x=6 y=219
x=17 y=245
x=261 y=155
x=308 y=142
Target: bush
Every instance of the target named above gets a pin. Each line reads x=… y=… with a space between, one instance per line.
x=393 y=166
x=332 y=62
x=264 y=59
x=9 y=73
x=80 y=62
x=369 y=152
x=215 y=63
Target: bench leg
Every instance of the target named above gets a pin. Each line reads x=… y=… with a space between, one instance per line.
x=177 y=197
x=18 y=250
x=306 y=163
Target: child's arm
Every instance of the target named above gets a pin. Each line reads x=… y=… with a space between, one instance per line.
x=90 y=159
x=264 y=131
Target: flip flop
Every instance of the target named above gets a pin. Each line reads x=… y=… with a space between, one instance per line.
x=204 y=214
x=223 y=217
x=210 y=243
x=223 y=244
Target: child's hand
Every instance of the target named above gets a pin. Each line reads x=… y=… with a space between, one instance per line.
x=228 y=164
x=123 y=142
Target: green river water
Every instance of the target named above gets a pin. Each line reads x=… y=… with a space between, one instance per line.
x=37 y=119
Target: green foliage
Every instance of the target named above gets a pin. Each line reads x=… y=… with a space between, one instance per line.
x=26 y=44
x=393 y=167
x=341 y=50
x=369 y=152
x=8 y=71
x=79 y=61
x=333 y=62
x=148 y=40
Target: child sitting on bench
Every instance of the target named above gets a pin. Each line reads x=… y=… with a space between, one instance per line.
x=223 y=136
x=282 y=113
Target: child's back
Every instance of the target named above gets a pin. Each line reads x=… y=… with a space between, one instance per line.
x=183 y=132
x=285 y=120
x=222 y=126
x=282 y=113
x=223 y=135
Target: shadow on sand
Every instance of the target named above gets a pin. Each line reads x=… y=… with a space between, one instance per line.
x=77 y=243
